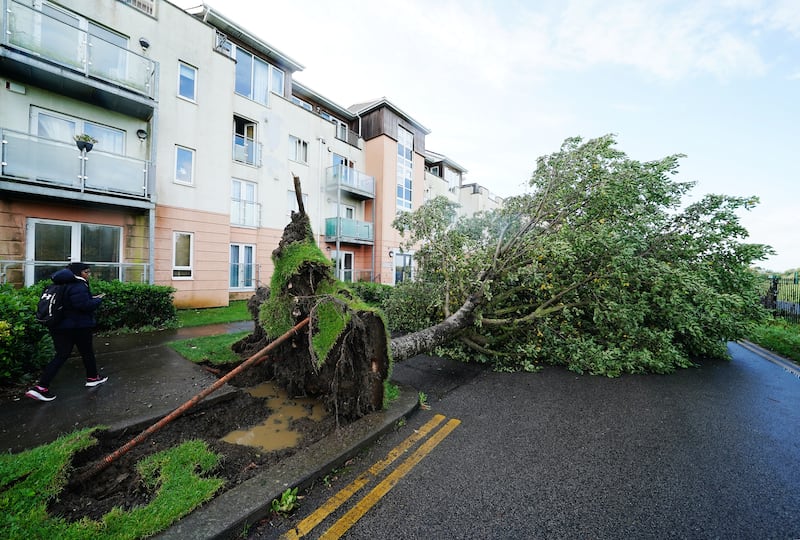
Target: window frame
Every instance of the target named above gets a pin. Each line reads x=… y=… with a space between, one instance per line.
x=241 y=281
x=250 y=190
x=79 y=244
x=176 y=178
x=298 y=150
x=404 y=192
x=176 y=268
x=194 y=71
x=272 y=75
x=79 y=126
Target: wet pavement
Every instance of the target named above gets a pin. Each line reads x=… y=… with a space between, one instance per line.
x=146 y=380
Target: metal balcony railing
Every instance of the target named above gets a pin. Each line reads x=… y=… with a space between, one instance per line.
x=350 y=179
x=59 y=41
x=32 y=159
x=245 y=276
x=28 y=272
x=349 y=230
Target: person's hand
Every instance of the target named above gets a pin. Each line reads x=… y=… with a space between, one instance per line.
x=101 y=295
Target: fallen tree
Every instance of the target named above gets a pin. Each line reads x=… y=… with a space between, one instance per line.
x=343 y=355
x=597 y=268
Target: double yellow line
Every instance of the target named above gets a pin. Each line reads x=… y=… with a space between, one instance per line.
x=370 y=499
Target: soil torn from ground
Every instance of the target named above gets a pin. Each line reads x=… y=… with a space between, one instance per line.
x=120 y=485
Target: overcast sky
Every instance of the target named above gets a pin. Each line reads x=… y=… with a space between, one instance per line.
x=502 y=82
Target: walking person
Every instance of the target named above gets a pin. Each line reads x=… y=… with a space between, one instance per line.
x=75 y=330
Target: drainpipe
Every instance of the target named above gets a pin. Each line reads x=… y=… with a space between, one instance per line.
x=151 y=182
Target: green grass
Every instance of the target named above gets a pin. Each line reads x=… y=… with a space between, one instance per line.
x=235 y=312
x=213 y=349
x=30 y=479
x=779 y=336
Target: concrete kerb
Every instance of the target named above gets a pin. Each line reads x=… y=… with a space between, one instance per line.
x=227 y=515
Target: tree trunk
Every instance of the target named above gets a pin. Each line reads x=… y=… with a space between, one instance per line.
x=342 y=357
x=405 y=347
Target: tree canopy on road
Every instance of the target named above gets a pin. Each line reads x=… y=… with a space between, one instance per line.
x=599 y=267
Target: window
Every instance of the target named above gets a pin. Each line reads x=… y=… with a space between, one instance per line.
x=242 y=266
x=453 y=178
x=183 y=255
x=59 y=242
x=244 y=209
x=300 y=103
x=255 y=79
x=61 y=127
x=291 y=200
x=187 y=81
x=403 y=267
x=298 y=150
x=245 y=146
x=145 y=6
x=184 y=165
x=405 y=168
x=435 y=170
x=277 y=80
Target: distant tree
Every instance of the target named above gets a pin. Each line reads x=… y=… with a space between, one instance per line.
x=597 y=268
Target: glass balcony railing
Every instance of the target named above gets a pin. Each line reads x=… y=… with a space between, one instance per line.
x=245 y=213
x=57 y=37
x=351 y=179
x=246 y=150
x=28 y=158
x=349 y=230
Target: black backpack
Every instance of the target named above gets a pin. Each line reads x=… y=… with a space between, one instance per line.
x=50 y=309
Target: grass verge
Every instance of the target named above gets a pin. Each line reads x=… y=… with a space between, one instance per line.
x=236 y=311
x=780 y=337
x=30 y=479
x=215 y=350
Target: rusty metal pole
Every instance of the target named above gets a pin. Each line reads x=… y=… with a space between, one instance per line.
x=253 y=360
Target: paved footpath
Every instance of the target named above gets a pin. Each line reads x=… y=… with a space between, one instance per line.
x=146 y=380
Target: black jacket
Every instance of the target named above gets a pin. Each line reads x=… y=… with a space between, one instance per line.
x=79 y=306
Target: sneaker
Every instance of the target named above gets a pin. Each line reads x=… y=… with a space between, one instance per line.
x=40 y=394
x=95 y=381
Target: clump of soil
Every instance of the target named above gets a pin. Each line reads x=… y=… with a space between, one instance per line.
x=120 y=485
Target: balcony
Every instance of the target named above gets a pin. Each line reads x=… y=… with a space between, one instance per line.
x=347 y=135
x=351 y=180
x=52 y=51
x=246 y=150
x=40 y=166
x=349 y=230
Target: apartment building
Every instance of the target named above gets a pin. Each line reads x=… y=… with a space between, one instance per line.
x=200 y=127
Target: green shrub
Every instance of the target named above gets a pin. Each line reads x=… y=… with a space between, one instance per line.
x=25 y=345
x=134 y=306
x=413 y=306
x=373 y=294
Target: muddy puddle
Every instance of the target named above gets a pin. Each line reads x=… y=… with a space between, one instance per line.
x=275 y=432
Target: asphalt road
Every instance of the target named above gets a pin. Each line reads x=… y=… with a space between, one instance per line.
x=710 y=452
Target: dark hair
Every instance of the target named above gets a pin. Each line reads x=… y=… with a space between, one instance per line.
x=77 y=267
